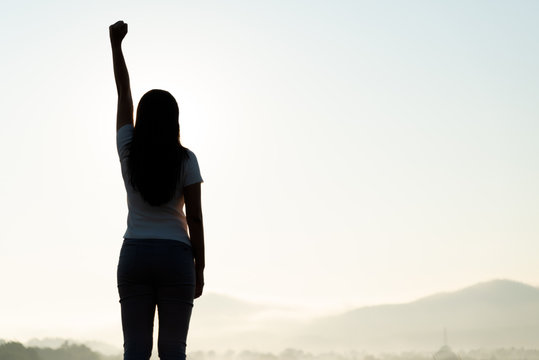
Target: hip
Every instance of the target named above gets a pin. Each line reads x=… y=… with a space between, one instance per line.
x=156 y=261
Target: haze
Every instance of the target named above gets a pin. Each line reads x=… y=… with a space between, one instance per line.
x=353 y=152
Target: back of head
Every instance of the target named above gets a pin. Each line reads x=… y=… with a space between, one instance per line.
x=157 y=117
x=156 y=154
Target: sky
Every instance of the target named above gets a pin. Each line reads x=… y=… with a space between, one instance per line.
x=353 y=152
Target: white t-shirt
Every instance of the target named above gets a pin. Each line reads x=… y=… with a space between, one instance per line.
x=166 y=221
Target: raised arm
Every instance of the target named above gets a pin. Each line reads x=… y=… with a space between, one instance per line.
x=117 y=32
x=193 y=212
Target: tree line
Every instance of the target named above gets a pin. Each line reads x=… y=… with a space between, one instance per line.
x=17 y=351
x=70 y=351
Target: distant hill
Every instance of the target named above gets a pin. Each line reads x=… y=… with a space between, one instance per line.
x=494 y=314
x=499 y=313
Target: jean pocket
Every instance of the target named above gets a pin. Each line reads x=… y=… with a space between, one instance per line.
x=179 y=266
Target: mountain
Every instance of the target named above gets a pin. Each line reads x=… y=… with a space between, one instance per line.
x=494 y=314
x=499 y=313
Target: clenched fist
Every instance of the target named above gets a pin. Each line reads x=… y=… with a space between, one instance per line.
x=117 y=32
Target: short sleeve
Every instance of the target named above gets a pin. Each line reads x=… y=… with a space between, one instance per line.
x=124 y=135
x=191 y=170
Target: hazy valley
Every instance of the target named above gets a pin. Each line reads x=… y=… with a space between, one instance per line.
x=490 y=315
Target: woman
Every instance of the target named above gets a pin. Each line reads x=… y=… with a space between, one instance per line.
x=162 y=257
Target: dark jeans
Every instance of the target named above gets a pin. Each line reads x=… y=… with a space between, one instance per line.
x=155 y=273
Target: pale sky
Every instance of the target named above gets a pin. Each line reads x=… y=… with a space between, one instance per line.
x=353 y=152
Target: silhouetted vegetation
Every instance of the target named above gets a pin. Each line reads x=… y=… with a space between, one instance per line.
x=69 y=351
x=17 y=351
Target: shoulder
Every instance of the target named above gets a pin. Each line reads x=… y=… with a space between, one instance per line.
x=191 y=169
x=124 y=135
x=126 y=127
x=190 y=154
x=190 y=158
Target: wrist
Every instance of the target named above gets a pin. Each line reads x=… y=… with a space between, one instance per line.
x=116 y=44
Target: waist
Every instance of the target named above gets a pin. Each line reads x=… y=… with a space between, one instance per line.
x=156 y=242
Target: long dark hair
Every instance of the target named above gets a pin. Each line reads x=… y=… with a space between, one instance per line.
x=156 y=154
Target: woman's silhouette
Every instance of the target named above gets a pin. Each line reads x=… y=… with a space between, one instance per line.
x=162 y=257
